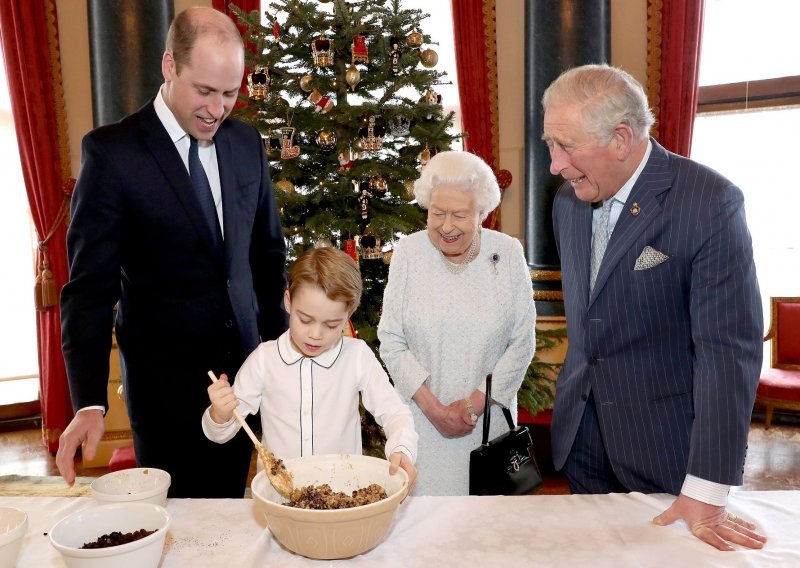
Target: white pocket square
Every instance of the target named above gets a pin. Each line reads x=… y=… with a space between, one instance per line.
x=649 y=258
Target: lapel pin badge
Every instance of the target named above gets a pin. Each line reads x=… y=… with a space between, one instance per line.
x=635 y=209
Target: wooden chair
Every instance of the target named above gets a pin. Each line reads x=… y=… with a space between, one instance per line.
x=779 y=386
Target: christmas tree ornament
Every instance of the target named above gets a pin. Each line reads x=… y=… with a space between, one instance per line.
x=272 y=144
x=326 y=140
x=281 y=102
x=363 y=201
x=370 y=136
x=429 y=58
x=321 y=104
x=399 y=126
x=322 y=51
x=284 y=185
x=323 y=242
x=305 y=83
x=394 y=55
x=431 y=98
x=409 y=186
x=352 y=76
x=276 y=30
x=288 y=150
x=350 y=248
x=425 y=156
x=359 y=50
x=370 y=247
x=378 y=186
x=414 y=39
x=504 y=178
x=258 y=83
x=387 y=257
x=346 y=158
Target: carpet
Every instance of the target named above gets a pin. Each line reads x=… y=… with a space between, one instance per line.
x=43 y=486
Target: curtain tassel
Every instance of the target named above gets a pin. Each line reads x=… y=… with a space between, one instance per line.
x=44 y=289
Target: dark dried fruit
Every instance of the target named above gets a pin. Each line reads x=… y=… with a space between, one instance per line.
x=116 y=538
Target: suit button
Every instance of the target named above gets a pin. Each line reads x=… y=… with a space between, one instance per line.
x=229 y=324
x=593 y=360
x=228 y=283
x=584 y=397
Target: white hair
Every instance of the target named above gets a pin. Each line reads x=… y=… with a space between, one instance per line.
x=461 y=170
x=606 y=96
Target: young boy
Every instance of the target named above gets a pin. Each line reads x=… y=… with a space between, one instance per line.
x=307 y=381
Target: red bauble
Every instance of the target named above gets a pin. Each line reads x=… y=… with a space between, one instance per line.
x=503 y=178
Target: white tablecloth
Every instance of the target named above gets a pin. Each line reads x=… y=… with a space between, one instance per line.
x=559 y=530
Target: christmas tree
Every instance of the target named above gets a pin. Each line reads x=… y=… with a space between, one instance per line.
x=344 y=95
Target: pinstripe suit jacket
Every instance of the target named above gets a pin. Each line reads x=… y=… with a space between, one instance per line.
x=672 y=354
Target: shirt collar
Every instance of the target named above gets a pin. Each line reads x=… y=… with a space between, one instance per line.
x=168 y=119
x=622 y=195
x=289 y=355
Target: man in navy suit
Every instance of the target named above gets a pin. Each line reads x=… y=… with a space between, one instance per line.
x=174 y=222
x=664 y=317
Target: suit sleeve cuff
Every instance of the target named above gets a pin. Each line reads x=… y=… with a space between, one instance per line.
x=706 y=491
x=97 y=407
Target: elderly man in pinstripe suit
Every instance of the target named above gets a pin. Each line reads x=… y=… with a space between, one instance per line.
x=663 y=310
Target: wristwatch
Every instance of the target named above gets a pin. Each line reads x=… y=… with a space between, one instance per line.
x=471 y=410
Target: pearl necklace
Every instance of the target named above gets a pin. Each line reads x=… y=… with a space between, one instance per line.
x=458 y=268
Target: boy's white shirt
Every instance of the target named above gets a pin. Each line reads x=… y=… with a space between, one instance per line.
x=310 y=405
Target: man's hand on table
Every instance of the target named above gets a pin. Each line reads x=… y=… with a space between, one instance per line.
x=88 y=426
x=711 y=524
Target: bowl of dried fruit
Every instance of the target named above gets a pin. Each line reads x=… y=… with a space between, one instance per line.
x=145 y=484
x=342 y=505
x=113 y=535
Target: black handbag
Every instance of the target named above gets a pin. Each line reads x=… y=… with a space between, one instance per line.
x=505 y=465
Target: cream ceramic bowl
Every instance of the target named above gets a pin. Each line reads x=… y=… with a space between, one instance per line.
x=142 y=484
x=338 y=533
x=73 y=531
x=13 y=526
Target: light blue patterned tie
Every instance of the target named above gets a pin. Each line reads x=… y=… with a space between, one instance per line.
x=203 y=190
x=599 y=241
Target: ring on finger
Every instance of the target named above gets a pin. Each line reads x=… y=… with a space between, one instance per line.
x=732 y=518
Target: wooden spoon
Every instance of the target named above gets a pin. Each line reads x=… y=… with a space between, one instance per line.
x=276 y=471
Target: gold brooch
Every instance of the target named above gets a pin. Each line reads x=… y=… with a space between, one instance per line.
x=635 y=209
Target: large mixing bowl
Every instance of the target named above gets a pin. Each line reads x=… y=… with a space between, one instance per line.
x=337 y=533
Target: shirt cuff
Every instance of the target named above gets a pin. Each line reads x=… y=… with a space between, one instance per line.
x=706 y=491
x=96 y=407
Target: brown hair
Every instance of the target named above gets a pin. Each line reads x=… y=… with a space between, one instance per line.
x=331 y=270
x=194 y=23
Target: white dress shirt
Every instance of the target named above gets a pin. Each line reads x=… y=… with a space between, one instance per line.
x=310 y=405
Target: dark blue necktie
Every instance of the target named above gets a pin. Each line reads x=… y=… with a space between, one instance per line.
x=203 y=190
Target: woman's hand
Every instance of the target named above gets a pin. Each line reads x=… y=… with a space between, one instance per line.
x=223 y=400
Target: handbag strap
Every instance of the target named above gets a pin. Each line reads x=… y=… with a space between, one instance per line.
x=487 y=412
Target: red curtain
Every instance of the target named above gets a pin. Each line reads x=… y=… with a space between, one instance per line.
x=476 y=65
x=675 y=31
x=29 y=35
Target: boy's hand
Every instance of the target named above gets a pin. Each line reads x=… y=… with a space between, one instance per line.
x=223 y=400
x=399 y=459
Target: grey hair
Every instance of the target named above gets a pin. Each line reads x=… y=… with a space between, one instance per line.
x=461 y=170
x=607 y=96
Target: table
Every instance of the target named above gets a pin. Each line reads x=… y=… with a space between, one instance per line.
x=548 y=530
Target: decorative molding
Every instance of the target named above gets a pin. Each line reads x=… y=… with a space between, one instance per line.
x=58 y=92
x=490 y=34
x=545 y=275
x=549 y=295
x=654 y=18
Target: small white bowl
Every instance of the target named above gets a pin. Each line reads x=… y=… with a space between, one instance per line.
x=72 y=532
x=140 y=484
x=13 y=526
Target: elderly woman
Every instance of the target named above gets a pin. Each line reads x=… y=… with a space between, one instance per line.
x=458 y=305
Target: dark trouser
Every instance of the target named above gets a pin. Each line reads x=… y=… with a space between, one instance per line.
x=587 y=468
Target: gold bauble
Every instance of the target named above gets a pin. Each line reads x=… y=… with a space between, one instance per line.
x=409 y=185
x=305 y=83
x=352 y=77
x=414 y=39
x=326 y=140
x=284 y=185
x=429 y=58
x=378 y=185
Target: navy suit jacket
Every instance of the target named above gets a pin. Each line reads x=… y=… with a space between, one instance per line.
x=137 y=237
x=672 y=354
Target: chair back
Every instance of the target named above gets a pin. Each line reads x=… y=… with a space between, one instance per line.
x=785 y=333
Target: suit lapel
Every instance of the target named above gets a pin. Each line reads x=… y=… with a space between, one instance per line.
x=655 y=179
x=169 y=161
x=227 y=178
